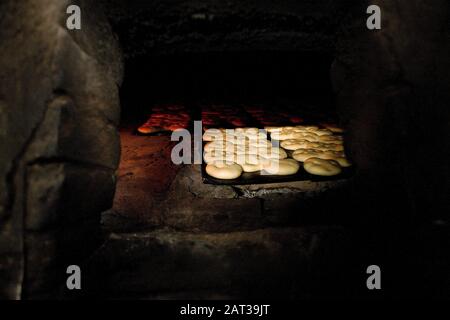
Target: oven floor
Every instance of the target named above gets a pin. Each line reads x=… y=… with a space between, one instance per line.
x=144 y=176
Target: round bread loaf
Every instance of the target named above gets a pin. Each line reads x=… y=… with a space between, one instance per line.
x=323 y=132
x=272 y=153
x=213 y=134
x=311 y=128
x=322 y=167
x=220 y=146
x=248 y=159
x=294 y=144
x=219 y=156
x=281 y=167
x=321 y=146
x=343 y=162
x=250 y=167
x=273 y=129
x=224 y=171
x=331 y=139
x=330 y=155
x=303 y=154
x=309 y=136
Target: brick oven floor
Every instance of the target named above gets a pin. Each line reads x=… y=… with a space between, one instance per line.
x=169 y=236
x=144 y=176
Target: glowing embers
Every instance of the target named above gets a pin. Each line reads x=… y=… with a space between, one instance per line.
x=166 y=118
x=274 y=118
x=227 y=116
x=214 y=116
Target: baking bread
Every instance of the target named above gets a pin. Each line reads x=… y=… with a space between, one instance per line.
x=272 y=153
x=332 y=127
x=224 y=171
x=294 y=144
x=343 y=162
x=303 y=154
x=219 y=156
x=281 y=167
x=322 y=167
x=219 y=145
x=251 y=167
x=249 y=149
x=213 y=134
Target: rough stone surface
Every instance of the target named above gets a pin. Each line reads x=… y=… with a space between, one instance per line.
x=270 y=263
x=44 y=194
x=274 y=263
x=56 y=189
x=193 y=205
x=51 y=252
x=393 y=90
x=59 y=111
x=196 y=26
x=212 y=215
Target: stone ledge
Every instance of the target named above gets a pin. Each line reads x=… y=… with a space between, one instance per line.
x=213 y=215
x=240 y=264
x=195 y=206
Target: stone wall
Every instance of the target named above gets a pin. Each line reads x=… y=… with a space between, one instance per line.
x=59 y=145
x=393 y=90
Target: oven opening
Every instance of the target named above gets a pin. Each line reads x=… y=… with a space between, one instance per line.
x=236 y=90
x=286 y=95
x=193 y=149
x=268 y=70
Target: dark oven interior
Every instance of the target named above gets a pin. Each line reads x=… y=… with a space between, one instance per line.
x=196 y=53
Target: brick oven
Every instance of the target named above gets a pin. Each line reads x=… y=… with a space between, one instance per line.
x=87 y=176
